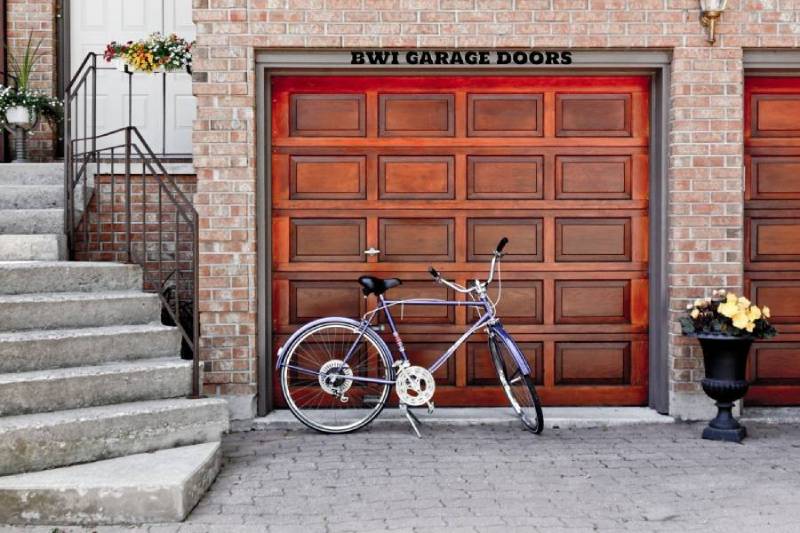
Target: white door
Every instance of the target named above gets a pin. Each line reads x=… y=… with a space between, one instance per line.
x=161 y=105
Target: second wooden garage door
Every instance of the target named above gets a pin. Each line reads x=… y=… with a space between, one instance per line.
x=434 y=171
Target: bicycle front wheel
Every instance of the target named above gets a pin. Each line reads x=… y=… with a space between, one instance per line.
x=518 y=386
x=317 y=377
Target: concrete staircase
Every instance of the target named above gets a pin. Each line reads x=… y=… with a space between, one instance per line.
x=95 y=427
x=32 y=212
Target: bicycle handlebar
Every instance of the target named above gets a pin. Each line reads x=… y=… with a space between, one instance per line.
x=498 y=254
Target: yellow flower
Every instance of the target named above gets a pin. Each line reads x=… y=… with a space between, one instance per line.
x=731 y=298
x=765 y=310
x=698 y=303
x=695 y=313
x=740 y=320
x=728 y=309
x=744 y=302
x=754 y=313
x=750 y=327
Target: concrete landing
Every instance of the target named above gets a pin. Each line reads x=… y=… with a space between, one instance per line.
x=150 y=487
x=554 y=417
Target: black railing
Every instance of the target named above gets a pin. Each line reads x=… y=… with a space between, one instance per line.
x=122 y=205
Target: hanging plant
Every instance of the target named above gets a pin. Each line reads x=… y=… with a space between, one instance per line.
x=156 y=53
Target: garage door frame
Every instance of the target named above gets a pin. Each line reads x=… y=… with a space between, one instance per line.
x=653 y=63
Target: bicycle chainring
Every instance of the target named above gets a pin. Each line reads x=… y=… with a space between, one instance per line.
x=333 y=377
x=415 y=386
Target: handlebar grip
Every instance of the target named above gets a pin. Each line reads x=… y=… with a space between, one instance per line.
x=502 y=244
x=433 y=272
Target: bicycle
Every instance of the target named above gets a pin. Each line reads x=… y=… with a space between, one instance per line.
x=336 y=373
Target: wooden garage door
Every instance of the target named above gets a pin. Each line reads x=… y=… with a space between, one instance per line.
x=434 y=171
x=772 y=233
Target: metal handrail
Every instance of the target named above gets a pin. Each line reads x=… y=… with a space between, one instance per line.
x=160 y=224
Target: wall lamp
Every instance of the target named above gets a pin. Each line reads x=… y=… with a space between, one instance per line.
x=710 y=11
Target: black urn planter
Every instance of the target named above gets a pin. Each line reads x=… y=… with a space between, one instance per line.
x=725 y=360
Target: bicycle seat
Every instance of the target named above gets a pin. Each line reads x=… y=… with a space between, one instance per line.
x=377 y=286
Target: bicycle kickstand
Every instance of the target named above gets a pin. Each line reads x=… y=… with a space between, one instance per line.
x=412 y=419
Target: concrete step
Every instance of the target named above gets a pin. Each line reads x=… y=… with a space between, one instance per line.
x=42 y=391
x=31 y=221
x=21 y=312
x=163 y=486
x=26 y=351
x=32 y=174
x=31 y=196
x=36 y=442
x=63 y=276
x=45 y=247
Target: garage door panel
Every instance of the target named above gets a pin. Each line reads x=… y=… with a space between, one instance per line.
x=593 y=115
x=504 y=115
x=328 y=115
x=327 y=239
x=774 y=178
x=480 y=368
x=593 y=302
x=505 y=177
x=447 y=166
x=416 y=177
x=593 y=239
x=416 y=115
x=327 y=177
x=782 y=297
x=775 y=363
x=775 y=239
x=593 y=177
x=775 y=115
x=483 y=234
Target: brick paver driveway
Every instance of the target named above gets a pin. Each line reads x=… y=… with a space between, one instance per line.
x=499 y=478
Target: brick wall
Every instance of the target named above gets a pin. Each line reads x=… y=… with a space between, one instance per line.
x=705 y=144
x=37 y=18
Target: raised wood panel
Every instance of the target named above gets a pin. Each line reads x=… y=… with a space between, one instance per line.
x=593 y=239
x=327 y=178
x=505 y=177
x=416 y=177
x=592 y=301
x=481 y=370
x=775 y=115
x=781 y=296
x=327 y=239
x=775 y=239
x=774 y=178
x=327 y=115
x=417 y=239
x=593 y=363
x=593 y=115
x=424 y=354
x=520 y=301
x=483 y=234
x=309 y=300
x=776 y=363
x=421 y=314
x=593 y=177
x=504 y=115
x=416 y=115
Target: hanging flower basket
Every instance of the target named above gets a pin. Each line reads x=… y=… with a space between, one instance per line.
x=21 y=117
x=157 y=53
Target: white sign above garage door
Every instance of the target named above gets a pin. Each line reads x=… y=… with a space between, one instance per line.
x=163 y=107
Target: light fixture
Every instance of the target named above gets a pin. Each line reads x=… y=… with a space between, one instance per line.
x=710 y=10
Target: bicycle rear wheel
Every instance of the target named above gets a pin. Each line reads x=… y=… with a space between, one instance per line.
x=317 y=382
x=518 y=386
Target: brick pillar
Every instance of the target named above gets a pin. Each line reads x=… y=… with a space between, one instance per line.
x=36 y=17
x=705 y=201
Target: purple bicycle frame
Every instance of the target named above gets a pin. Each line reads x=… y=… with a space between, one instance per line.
x=488 y=319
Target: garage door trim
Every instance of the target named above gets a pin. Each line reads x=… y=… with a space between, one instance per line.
x=653 y=63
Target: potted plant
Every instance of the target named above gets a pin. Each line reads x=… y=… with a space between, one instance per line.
x=20 y=106
x=156 y=53
x=726 y=326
